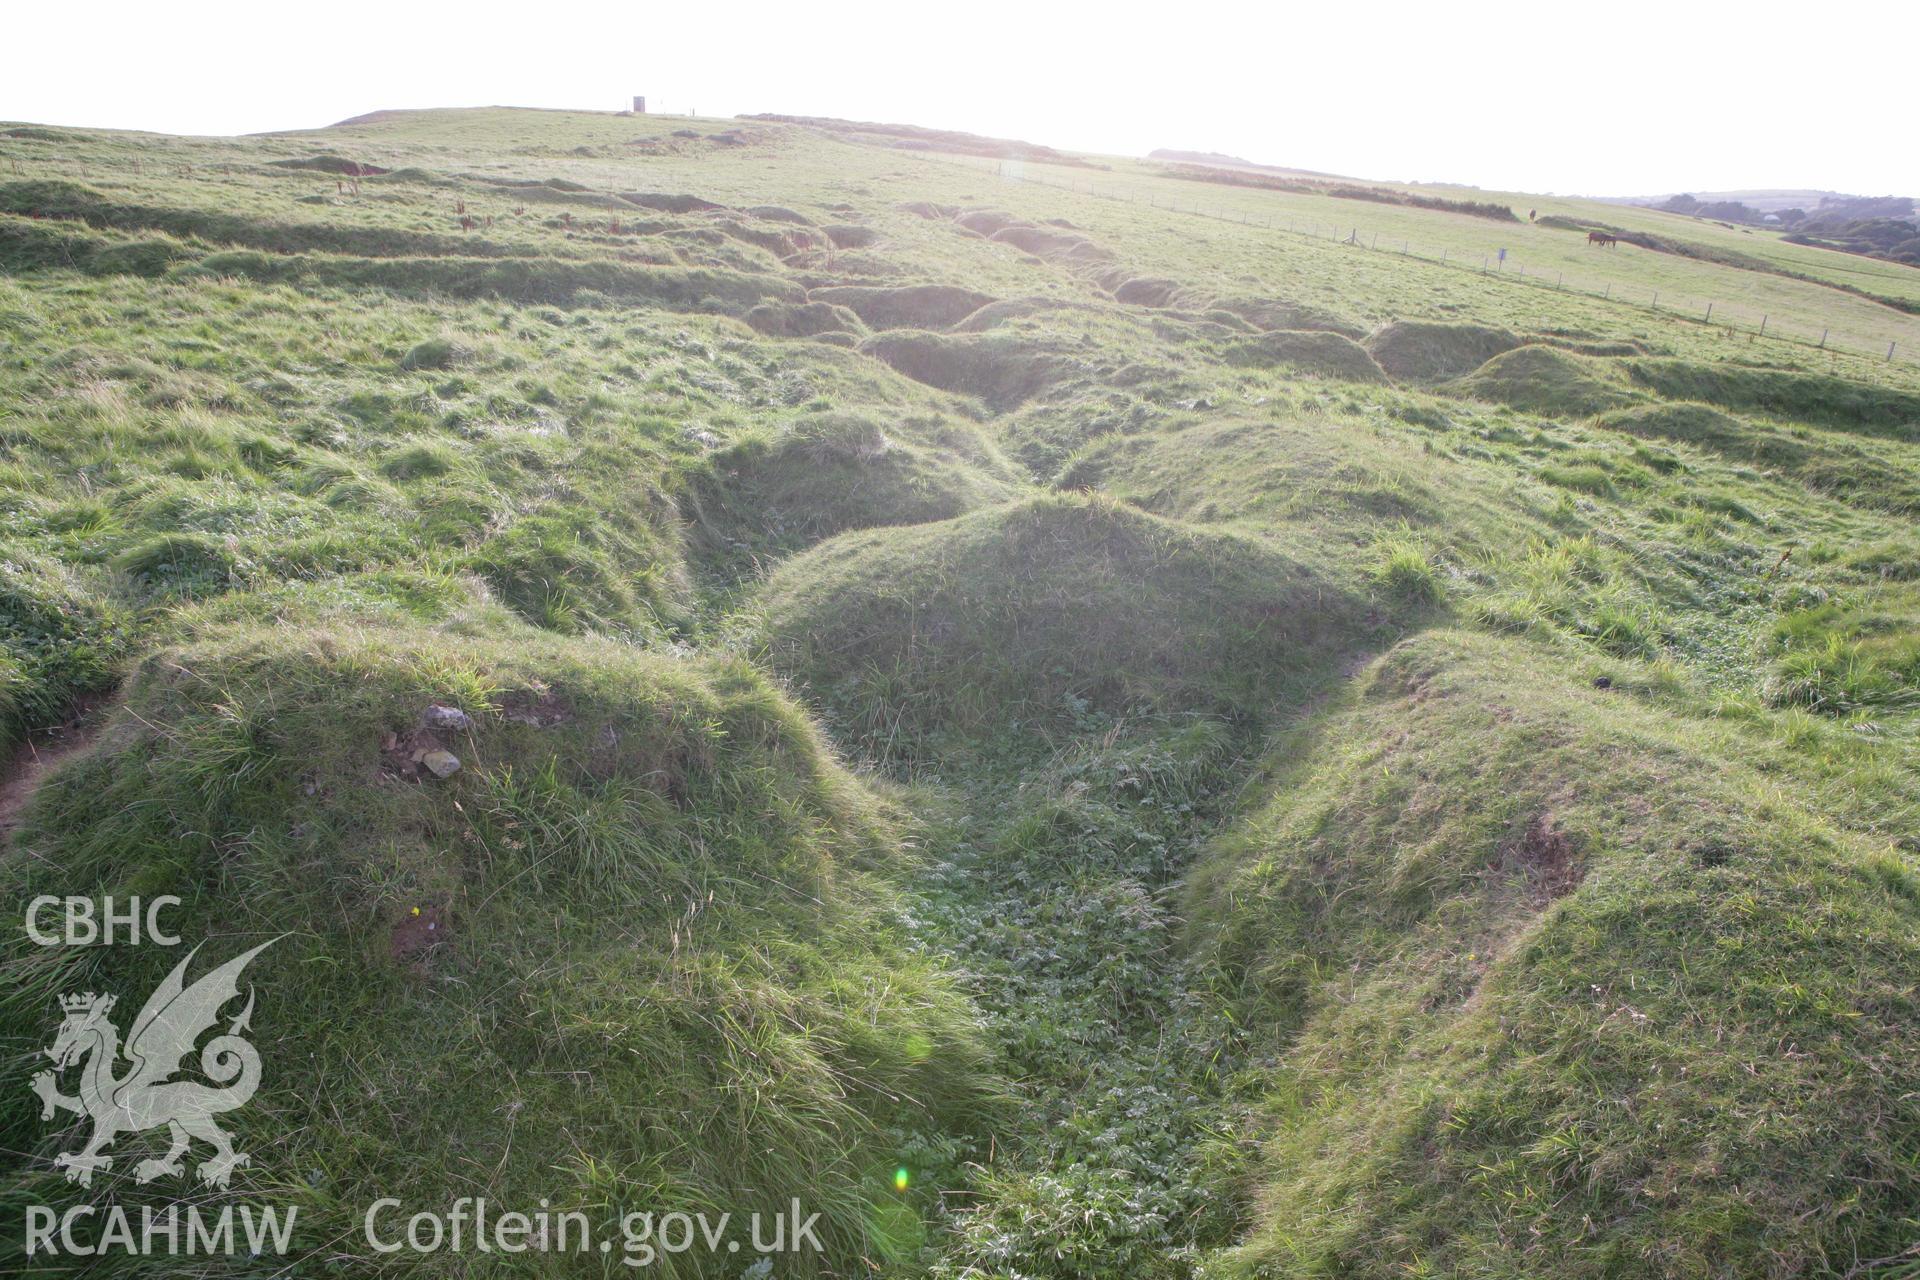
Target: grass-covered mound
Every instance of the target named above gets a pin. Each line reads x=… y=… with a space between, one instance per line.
x=917 y=306
x=1564 y=988
x=1026 y=611
x=1331 y=486
x=1284 y=313
x=998 y=314
x=57 y=641
x=1547 y=381
x=529 y=280
x=71 y=201
x=320 y=500
x=1043 y=435
x=1001 y=369
x=638 y=951
x=31 y=245
x=1808 y=397
x=1321 y=354
x=1154 y=291
x=1432 y=351
x=1881 y=474
x=775 y=492
x=1707 y=428
x=804 y=320
x=573 y=575
x=402 y=436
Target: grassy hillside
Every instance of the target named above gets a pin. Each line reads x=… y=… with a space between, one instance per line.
x=638 y=949
x=1539 y=953
x=1787 y=285
x=1073 y=737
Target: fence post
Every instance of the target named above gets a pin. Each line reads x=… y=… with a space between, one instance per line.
x=1656 y=299
x=1609 y=293
x=1709 y=313
x=1823 y=338
x=1763 y=326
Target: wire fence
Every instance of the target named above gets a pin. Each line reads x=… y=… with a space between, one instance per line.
x=1493 y=263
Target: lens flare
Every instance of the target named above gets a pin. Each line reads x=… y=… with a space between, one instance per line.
x=900 y=1178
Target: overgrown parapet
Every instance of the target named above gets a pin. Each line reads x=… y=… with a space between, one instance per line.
x=824 y=473
x=1018 y=613
x=1564 y=988
x=528 y=280
x=595 y=927
x=57 y=642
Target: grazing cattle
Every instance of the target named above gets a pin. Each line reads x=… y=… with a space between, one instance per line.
x=1603 y=239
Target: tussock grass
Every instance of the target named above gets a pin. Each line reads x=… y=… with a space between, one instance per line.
x=920 y=306
x=825 y=473
x=1876 y=474
x=1547 y=381
x=1001 y=370
x=1327 y=355
x=526 y=280
x=1317 y=481
x=184 y=562
x=1494 y=904
x=1019 y=613
x=1404 y=572
x=656 y=897
x=1280 y=313
x=804 y=320
x=485 y=432
x=58 y=640
x=75 y=202
x=1415 y=351
x=27 y=245
x=1830 y=401
x=568 y=577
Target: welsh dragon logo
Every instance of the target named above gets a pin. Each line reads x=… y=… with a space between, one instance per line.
x=145 y=1096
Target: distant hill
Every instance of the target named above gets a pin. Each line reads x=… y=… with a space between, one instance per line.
x=1218 y=160
x=1201 y=157
x=1765 y=199
x=1304 y=182
x=1871 y=226
x=909 y=137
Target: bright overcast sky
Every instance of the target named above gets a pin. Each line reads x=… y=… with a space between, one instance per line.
x=1623 y=97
